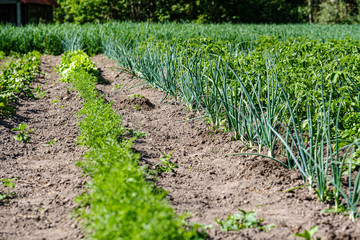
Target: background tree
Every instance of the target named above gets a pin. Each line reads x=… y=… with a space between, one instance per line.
x=210 y=11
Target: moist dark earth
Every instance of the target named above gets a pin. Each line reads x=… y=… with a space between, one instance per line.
x=208 y=183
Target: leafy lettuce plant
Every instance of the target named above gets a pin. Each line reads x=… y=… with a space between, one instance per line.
x=73 y=61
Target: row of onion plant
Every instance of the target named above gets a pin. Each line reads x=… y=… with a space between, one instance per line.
x=259 y=118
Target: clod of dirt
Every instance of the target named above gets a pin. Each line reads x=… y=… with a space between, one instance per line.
x=137 y=103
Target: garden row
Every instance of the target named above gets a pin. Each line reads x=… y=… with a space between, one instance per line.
x=93 y=38
x=119 y=202
x=16 y=78
x=296 y=100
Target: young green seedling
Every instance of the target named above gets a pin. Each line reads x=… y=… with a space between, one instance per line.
x=64 y=106
x=8 y=184
x=308 y=235
x=137 y=96
x=137 y=107
x=166 y=165
x=242 y=220
x=136 y=133
x=199 y=228
x=341 y=209
x=117 y=86
x=51 y=142
x=23 y=136
x=39 y=92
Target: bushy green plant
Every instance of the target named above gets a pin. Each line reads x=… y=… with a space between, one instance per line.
x=16 y=79
x=73 y=61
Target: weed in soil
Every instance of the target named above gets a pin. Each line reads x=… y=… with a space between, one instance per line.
x=138 y=134
x=8 y=183
x=51 y=142
x=308 y=234
x=166 y=165
x=23 y=136
x=242 y=220
x=39 y=92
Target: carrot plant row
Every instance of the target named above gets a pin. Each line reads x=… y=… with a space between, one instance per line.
x=119 y=202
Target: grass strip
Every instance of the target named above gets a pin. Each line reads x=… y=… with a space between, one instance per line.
x=119 y=203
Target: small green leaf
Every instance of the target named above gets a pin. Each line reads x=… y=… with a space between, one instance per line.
x=313 y=230
x=22 y=126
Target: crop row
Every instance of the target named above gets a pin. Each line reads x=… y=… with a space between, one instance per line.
x=119 y=202
x=16 y=78
x=297 y=99
x=92 y=38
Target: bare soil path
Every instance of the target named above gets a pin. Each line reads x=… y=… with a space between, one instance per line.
x=48 y=180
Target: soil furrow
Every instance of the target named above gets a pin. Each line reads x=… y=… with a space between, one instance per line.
x=47 y=178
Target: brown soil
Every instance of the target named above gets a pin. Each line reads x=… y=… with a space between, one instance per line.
x=47 y=179
x=207 y=183
x=210 y=184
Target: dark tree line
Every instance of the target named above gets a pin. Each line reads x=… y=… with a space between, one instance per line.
x=210 y=11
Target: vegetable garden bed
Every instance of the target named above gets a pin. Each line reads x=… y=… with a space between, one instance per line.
x=289 y=103
x=206 y=182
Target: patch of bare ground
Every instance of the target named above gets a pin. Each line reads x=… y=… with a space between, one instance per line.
x=208 y=183
x=47 y=178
